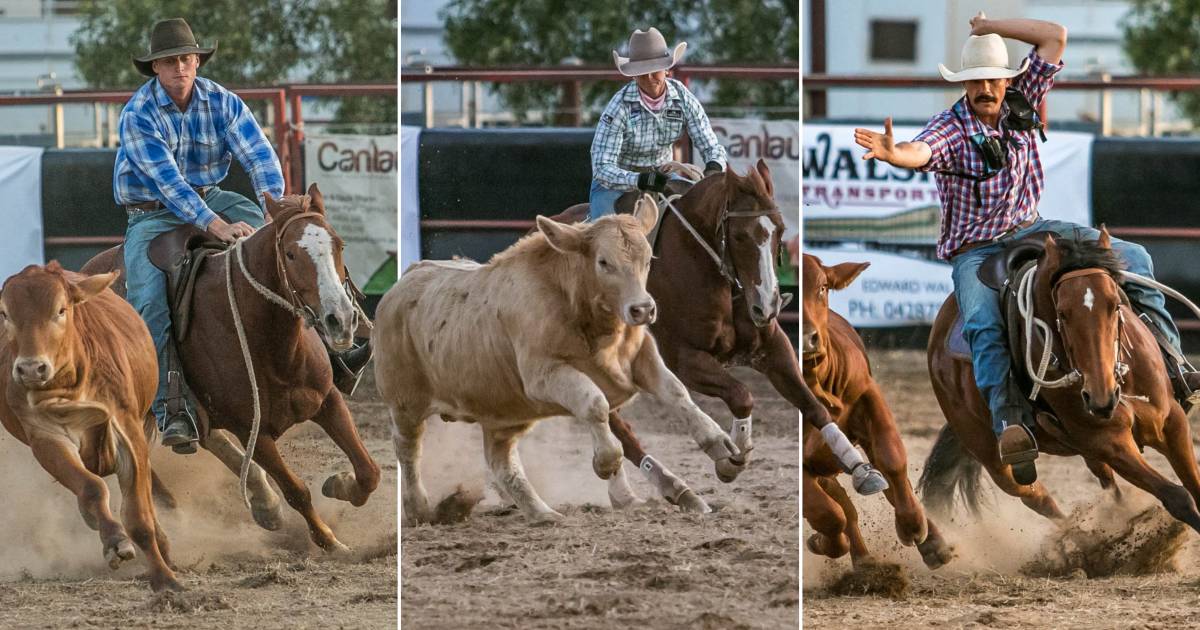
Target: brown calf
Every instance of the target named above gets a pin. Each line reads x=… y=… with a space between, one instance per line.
x=78 y=374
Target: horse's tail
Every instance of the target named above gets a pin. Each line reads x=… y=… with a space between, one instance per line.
x=949 y=467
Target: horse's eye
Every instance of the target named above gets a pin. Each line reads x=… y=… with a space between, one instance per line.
x=291 y=256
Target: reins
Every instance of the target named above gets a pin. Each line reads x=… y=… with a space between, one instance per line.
x=725 y=265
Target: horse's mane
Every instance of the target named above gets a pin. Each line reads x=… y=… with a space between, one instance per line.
x=1076 y=254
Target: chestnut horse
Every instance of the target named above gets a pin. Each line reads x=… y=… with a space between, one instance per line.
x=713 y=277
x=1116 y=399
x=285 y=277
x=838 y=370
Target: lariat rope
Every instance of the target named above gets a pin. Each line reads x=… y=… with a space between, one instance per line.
x=1025 y=306
x=241 y=333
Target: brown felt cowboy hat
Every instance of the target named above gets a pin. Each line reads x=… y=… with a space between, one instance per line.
x=648 y=53
x=169 y=38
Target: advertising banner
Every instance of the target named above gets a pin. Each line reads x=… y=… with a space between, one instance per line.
x=894 y=291
x=357 y=177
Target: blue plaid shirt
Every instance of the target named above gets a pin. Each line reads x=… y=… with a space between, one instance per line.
x=629 y=135
x=165 y=152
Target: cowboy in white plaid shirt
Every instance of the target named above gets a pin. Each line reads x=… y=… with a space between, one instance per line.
x=987 y=200
x=641 y=123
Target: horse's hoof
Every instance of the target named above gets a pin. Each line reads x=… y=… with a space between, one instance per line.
x=691 y=502
x=269 y=518
x=812 y=544
x=166 y=584
x=340 y=486
x=729 y=468
x=622 y=502
x=336 y=548
x=936 y=554
x=119 y=552
x=606 y=467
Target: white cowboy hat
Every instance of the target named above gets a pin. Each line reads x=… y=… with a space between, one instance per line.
x=648 y=53
x=983 y=57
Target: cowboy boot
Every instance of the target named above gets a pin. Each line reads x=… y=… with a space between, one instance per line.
x=349 y=366
x=1018 y=449
x=179 y=430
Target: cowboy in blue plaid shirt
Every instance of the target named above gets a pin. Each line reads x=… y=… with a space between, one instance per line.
x=641 y=123
x=987 y=200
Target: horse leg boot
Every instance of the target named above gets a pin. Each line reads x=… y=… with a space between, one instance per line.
x=504 y=463
x=334 y=418
x=651 y=375
x=266 y=453
x=59 y=457
x=669 y=487
x=265 y=506
x=137 y=511
x=572 y=390
x=779 y=364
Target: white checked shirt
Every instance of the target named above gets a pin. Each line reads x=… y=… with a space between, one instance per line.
x=629 y=135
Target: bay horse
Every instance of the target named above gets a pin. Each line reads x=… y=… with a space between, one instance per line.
x=838 y=370
x=713 y=276
x=1116 y=397
x=287 y=279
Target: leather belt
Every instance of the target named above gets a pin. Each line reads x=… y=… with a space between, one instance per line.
x=146 y=207
x=1007 y=233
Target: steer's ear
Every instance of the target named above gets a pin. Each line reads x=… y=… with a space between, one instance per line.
x=646 y=212
x=563 y=238
x=91 y=286
x=840 y=276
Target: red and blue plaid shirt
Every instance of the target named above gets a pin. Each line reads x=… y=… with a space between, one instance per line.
x=1004 y=200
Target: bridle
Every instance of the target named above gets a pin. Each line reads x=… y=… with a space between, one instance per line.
x=1120 y=369
x=720 y=256
x=290 y=301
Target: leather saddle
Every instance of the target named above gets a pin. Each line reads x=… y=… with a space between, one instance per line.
x=1000 y=272
x=180 y=254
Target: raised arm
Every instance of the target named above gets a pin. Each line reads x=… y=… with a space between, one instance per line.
x=882 y=146
x=1048 y=38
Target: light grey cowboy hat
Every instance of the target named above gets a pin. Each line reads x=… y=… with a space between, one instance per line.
x=983 y=57
x=169 y=38
x=648 y=53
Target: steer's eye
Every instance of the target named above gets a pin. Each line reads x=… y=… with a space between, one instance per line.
x=62 y=312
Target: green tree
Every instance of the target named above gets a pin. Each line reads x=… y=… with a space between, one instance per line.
x=1162 y=38
x=264 y=42
x=548 y=32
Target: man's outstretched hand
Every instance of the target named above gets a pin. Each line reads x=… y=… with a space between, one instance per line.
x=879 y=146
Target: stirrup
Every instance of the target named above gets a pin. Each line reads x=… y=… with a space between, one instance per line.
x=176 y=405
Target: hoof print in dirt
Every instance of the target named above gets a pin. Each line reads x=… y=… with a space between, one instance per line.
x=1101 y=544
x=883 y=579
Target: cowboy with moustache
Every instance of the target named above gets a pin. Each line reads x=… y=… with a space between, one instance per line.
x=989 y=177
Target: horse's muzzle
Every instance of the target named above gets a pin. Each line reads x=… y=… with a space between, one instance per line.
x=1102 y=409
x=339 y=327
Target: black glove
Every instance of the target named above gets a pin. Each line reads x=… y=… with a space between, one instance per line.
x=652 y=181
x=711 y=167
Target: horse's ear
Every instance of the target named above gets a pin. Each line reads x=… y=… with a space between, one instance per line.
x=272 y=205
x=1051 y=257
x=765 y=174
x=840 y=276
x=646 y=212
x=91 y=286
x=318 y=200
x=1105 y=241
x=563 y=238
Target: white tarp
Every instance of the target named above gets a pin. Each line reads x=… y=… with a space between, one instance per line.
x=777 y=142
x=894 y=291
x=357 y=177
x=838 y=183
x=21 y=212
x=410 y=202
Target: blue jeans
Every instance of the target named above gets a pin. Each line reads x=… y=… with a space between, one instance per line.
x=603 y=199
x=983 y=324
x=146 y=286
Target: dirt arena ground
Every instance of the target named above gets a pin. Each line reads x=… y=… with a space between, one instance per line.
x=646 y=567
x=52 y=574
x=985 y=585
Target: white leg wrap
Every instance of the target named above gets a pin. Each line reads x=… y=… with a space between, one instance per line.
x=843 y=450
x=741 y=434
